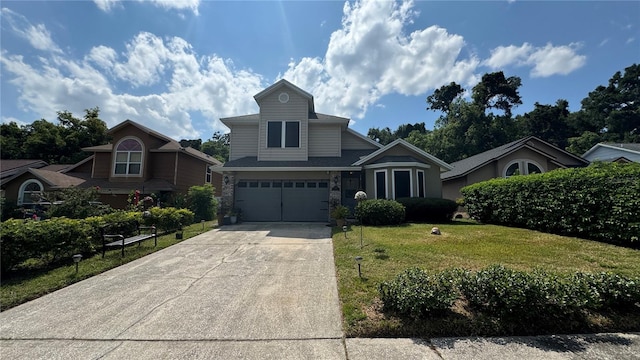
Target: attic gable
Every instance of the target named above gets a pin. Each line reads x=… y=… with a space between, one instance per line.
x=280 y=86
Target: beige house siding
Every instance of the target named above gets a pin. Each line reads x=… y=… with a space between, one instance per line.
x=324 y=140
x=433 y=184
x=451 y=188
x=522 y=154
x=243 y=141
x=271 y=109
x=353 y=142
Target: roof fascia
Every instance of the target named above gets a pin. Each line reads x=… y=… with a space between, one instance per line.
x=442 y=164
x=220 y=169
x=397 y=165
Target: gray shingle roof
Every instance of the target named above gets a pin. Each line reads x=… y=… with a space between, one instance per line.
x=465 y=166
x=348 y=157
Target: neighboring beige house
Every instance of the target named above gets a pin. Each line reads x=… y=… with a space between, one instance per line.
x=137 y=159
x=610 y=152
x=528 y=155
x=289 y=163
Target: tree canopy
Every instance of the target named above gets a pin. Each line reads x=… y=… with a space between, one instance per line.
x=468 y=126
x=59 y=143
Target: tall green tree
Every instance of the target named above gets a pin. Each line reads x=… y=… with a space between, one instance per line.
x=217 y=146
x=12 y=138
x=59 y=143
x=196 y=144
x=495 y=91
x=547 y=122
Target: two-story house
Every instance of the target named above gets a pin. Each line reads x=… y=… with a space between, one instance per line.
x=289 y=163
x=138 y=158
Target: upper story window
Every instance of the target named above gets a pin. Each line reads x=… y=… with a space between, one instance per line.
x=30 y=192
x=522 y=167
x=128 y=158
x=283 y=134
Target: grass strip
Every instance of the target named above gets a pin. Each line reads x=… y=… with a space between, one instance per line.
x=25 y=285
x=387 y=251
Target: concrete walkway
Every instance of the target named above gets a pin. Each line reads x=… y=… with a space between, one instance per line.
x=250 y=291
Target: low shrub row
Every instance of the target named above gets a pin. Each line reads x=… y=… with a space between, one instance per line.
x=47 y=240
x=51 y=240
x=506 y=293
x=600 y=202
x=434 y=210
x=380 y=212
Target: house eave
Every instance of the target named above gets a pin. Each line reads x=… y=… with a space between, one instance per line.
x=220 y=169
x=397 y=165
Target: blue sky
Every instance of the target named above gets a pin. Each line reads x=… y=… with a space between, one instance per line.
x=179 y=66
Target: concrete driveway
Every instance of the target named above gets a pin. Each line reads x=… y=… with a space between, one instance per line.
x=256 y=291
x=250 y=291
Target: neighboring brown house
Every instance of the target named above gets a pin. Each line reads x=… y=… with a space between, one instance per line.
x=137 y=159
x=528 y=155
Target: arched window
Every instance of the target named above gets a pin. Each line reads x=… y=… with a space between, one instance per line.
x=30 y=192
x=522 y=167
x=128 y=158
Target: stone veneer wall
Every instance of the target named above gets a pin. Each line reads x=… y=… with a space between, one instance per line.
x=227 y=191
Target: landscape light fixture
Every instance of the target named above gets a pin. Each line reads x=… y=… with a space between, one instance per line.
x=359 y=260
x=76 y=260
x=202 y=221
x=344 y=229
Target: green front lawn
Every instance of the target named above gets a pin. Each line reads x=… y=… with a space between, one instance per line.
x=388 y=251
x=25 y=283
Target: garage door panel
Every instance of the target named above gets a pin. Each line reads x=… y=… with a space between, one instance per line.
x=286 y=200
x=258 y=202
x=304 y=201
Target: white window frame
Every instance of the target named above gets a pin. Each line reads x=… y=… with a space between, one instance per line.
x=386 y=183
x=21 y=192
x=393 y=181
x=208 y=175
x=522 y=167
x=283 y=135
x=115 y=158
x=424 y=187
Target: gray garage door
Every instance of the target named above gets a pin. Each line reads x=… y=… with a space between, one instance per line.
x=283 y=200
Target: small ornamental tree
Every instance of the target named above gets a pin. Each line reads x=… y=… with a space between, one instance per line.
x=202 y=202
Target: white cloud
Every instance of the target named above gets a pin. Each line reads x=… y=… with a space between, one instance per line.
x=553 y=60
x=545 y=61
x=178 y=4
x=37 y=35
x=372 y=56
x=192 y=5
x=9 y=119
x=107 y=5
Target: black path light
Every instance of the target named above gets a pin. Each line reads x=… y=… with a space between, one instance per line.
x=360 y=196
x=344 y=229
x=76 y=260
x=359 y=260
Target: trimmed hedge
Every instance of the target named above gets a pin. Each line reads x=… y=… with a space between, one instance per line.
x=46 y=240
x=433 y=210
x=55 y=239
x=380 y=212
x=600 y=202
x=506 y=293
